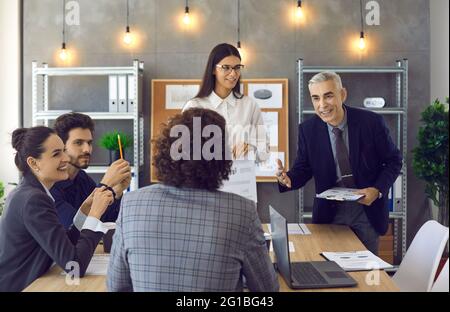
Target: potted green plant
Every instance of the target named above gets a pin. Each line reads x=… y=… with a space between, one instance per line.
x=430 y=157
x=109 y=141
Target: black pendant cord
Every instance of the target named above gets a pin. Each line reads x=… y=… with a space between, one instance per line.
x=64 y=24
x=239 y=23
x=128 y=14
x=362 y=22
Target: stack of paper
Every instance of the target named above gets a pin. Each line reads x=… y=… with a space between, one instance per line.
x=357 y=260
x=340 y=194
x=98 y=265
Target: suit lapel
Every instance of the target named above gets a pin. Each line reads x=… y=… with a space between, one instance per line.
x=353 y=138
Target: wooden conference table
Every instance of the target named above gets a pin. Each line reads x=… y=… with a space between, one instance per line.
x=307 y=248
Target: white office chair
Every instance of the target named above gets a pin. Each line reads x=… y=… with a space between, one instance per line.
x=418 y=268
x=441 y=284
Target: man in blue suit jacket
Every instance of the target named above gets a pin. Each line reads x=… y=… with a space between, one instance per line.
x=374 y=161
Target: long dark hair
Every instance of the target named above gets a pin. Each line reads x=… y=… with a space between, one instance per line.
x=217 y=54
x=29 y=142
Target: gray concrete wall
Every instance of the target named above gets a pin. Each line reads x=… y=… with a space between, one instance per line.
x=439 y=51
x=274 y=44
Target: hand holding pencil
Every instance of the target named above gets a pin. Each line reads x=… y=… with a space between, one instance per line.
x=118 y=174
x=120 y=146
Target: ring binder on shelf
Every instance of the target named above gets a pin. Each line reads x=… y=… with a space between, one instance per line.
x=112 y=84
x=123 y=103
x=131 y=93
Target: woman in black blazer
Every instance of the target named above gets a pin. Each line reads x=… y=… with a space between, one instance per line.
x=31 y=236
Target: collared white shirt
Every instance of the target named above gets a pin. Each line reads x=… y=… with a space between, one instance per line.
x=241 y=115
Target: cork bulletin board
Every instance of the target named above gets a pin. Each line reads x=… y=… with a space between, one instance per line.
x=169 y=96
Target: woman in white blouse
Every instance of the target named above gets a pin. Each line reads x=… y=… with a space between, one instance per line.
x=220 y=92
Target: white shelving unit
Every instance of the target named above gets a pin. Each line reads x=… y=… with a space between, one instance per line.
x=42 y=114
x=399 y=110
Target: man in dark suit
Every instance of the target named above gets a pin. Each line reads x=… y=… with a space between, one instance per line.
x=347 y=147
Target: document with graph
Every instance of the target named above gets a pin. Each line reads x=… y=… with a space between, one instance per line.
x=363 y=260
x=340 y=194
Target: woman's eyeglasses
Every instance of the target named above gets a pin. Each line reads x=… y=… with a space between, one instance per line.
x=226 y=69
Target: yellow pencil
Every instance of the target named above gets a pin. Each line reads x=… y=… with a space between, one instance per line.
x=120 y=146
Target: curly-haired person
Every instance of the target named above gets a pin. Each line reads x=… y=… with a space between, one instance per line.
x=184 y=234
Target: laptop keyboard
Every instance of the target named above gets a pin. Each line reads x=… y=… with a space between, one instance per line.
x=307 y=274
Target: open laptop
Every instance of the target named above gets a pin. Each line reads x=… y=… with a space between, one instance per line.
x=311 y=274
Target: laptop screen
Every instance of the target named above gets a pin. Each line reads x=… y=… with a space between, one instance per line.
x=280 y=243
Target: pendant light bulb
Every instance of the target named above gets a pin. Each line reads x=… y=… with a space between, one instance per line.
x=362 y=43
x=186 y=18
x=127 y=38
x=63 y=54
x=299 y=10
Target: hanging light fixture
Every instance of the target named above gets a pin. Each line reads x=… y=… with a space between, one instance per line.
x=299 y=9
x=63 y=53
x=186 y=18
x=128 y=38
x=362 y=43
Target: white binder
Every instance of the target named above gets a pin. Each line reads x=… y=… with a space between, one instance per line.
x=131 y=93
x=112 y=84
x=398 y=193
x=123 y=103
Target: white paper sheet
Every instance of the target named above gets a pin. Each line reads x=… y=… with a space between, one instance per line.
x=291 y=247
x=294 y=228
x=268 y=168
x=178 y=95
x=305 y=229
x=340 y=194
x=242 y=180
x=271 y=124
x=363 y=260
x=272 y=94
x=98 y=265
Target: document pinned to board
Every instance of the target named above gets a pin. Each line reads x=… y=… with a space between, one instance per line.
x=340 y=194
x=363 y=260
x=242 y=180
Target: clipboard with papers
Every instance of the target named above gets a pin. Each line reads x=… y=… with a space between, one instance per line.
x=340 y=194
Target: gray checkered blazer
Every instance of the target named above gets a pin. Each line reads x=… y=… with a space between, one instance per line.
x=182 y=239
